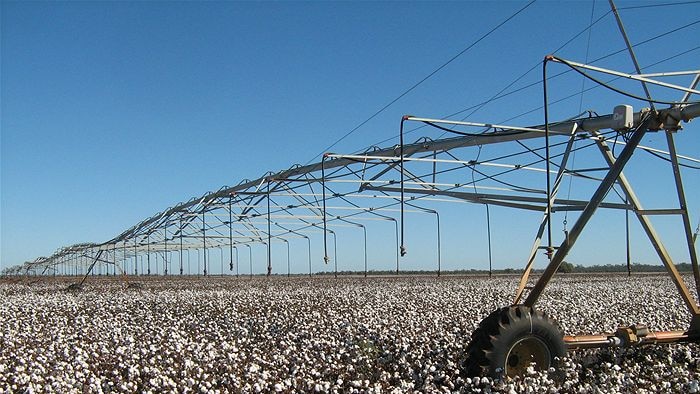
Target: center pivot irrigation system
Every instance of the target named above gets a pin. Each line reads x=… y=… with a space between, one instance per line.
x=351 y=190
x=384 y=188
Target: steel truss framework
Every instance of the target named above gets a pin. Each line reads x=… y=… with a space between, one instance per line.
x=383 y=184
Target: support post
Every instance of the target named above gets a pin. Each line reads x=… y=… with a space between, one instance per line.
x=488 y=236
x=684 y=208
x=323 y=198
x=269 y=233
x=165 y=245
x=181 y=246
x=627 y=240
x=148 y=253
x=136 y=269
x=230 y=235
x=204 y=240
x=402 y=248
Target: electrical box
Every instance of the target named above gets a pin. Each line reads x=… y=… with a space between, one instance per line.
x=623 y=117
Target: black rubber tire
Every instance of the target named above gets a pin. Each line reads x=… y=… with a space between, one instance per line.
x=509 y=339
x=475 y=361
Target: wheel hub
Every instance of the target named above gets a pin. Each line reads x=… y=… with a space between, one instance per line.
x=524 y=352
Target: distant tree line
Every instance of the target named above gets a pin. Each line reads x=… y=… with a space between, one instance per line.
x=636 y=267
x=565 y=267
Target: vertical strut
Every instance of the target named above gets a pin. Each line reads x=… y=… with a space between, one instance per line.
x=437 y=217
x=250 y=260
x=165 y=244
x=181 y=230
x=684 y=208
x=136 y=270
x=396 y=237
x=323 y=197
x=547 y=158
x=308 y=240
x=402 y=248
x=439 y=244
x=237 y=263
x=434 y=165
x=488 y=232
x=230 y=235
x=269 y=232
x=627 y=239
x=204 y=240
x=288 y=272
x=148 y=253
x=335 y=255
x=124 y=252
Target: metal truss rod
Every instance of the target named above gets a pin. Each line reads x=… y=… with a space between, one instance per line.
x=94 y=261
x=636 y=77
x=655 y=150
x=230 y=236
x=499 y=199
x=165 y=246
x=325 y=221
x=416 y=159
x=630 y=49
x=473 y=124
x=136 y=271
x=269 y=233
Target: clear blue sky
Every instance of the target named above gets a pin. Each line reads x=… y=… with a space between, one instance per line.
x=113 y=111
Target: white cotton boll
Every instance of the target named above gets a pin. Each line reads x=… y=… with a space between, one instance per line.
x=693 y=387
x=402 y=332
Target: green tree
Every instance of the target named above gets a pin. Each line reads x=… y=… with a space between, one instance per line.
x=566 y=267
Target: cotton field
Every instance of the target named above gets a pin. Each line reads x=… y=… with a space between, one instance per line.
x=383 y=334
